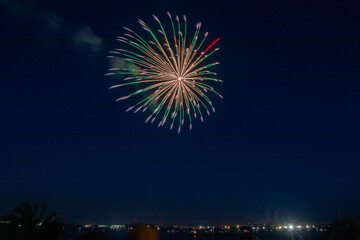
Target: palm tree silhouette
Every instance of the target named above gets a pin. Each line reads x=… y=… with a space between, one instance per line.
x=29 y=222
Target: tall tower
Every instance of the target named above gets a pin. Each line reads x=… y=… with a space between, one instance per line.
x=276 y=218
x=267 y=216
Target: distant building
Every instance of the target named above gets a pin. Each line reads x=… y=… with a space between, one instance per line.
x=267 y=216
x=276 y=218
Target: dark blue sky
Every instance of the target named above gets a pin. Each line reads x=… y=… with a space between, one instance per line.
x=286 y=136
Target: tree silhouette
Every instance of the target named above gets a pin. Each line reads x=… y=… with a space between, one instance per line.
x=345 y=229
x=29 y=222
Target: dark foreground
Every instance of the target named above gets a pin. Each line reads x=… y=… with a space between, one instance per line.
x=243 y=236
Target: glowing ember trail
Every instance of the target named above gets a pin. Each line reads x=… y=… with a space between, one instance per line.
x=169 y=72
x=210 y=46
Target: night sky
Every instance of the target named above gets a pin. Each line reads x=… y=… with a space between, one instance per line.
x=286 y=136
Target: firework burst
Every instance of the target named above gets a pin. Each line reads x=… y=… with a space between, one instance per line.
x=169 y=72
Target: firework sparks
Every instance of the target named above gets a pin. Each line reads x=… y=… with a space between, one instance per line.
x=171 y=77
